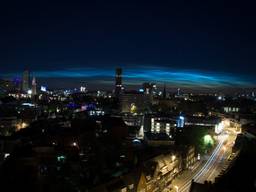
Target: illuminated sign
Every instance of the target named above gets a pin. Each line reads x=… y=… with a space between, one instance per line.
x=43 y=89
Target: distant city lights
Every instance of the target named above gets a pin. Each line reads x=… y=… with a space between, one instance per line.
x=82 y=89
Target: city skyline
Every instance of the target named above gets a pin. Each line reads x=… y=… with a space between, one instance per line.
x=134 y=77
x=128 y=96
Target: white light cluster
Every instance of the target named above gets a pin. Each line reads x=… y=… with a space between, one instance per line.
x=219 y=127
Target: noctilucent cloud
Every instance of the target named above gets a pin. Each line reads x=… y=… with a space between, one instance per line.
x=136 y=76
x=181 y=43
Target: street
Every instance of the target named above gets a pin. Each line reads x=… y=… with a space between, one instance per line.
x=210 y=166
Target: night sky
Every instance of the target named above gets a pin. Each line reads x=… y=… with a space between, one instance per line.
x=208 y=44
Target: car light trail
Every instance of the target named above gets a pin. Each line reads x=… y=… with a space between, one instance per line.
x=207 y=165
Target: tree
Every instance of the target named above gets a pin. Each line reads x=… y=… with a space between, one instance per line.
x=195 y=135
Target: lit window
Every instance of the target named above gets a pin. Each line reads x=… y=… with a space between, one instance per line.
x=131 y=186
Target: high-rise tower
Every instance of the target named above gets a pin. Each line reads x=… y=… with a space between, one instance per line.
x=25 y=81
x=118 y=85
x=34 y=86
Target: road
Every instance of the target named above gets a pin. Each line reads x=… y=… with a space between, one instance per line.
x=209 y=167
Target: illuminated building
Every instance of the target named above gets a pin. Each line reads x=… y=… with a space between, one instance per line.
x=25 y=81
x=163 y=125
x=96 y=112
x=188 y=155
x=43 y=88
x=34 y=92
x=118 y=86
x=135 y=121
x=202 y=121
x=134 y=102
x=178 y=91
x=231 y=109
x=83 y=89
x=149 y=88
x=180 y=121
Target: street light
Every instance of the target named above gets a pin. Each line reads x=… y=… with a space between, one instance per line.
x=74 y=144
x=173 y=157
x=177 y=188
